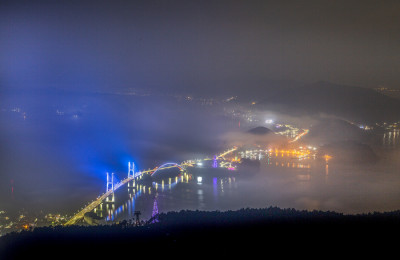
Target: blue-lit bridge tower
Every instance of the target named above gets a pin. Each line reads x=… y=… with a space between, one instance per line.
x=110 y=187
x=131 y=174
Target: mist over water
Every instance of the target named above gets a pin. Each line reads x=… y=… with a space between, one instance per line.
x=56 y=150
x=283 y=182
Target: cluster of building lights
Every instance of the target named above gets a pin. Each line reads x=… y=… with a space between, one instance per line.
x=301 y=153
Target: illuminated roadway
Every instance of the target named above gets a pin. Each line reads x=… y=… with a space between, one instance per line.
x=300 y=136
x=100 y=199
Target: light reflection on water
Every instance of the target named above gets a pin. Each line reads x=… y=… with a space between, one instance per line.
x=282 y=181
x=391 y=139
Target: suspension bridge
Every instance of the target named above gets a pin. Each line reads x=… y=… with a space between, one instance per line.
x=132 y=175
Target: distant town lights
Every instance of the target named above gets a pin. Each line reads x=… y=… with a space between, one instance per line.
x=269 y=121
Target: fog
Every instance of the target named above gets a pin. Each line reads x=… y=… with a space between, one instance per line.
x=344 y=188
x=350 y=188
x=57 y=148
x=60 y=152
x=87 y=86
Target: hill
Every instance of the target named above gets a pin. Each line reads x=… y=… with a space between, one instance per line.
x=260 y=130
x=331 y=130
x=348 y=151
x=353 y=103
x=229 y=233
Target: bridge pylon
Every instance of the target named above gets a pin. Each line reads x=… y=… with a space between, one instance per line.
x=110 y=187
x=131 y=174
x=110 y=182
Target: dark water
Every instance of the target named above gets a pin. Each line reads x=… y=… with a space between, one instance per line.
x=282 y=181
x=391 y=139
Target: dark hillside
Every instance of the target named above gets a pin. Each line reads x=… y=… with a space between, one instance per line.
x=352 y=103
x=246 y=231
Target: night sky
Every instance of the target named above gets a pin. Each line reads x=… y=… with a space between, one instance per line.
x=99 y=45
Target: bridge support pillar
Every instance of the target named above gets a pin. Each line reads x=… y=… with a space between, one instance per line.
x=110 y=199
x=110 y=187
x=110 y=182
x=131 y=174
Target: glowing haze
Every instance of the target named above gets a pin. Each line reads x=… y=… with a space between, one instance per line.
x=86 y=86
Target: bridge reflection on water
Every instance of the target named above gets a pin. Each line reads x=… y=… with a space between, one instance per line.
x=205 y=191
x=283 y=180
x=189 y=193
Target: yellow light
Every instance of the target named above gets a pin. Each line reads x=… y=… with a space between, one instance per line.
x=327 y=157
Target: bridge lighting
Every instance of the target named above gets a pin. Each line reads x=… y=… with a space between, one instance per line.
x=113 y=186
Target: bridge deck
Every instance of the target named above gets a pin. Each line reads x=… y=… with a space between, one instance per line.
x=100 y=199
